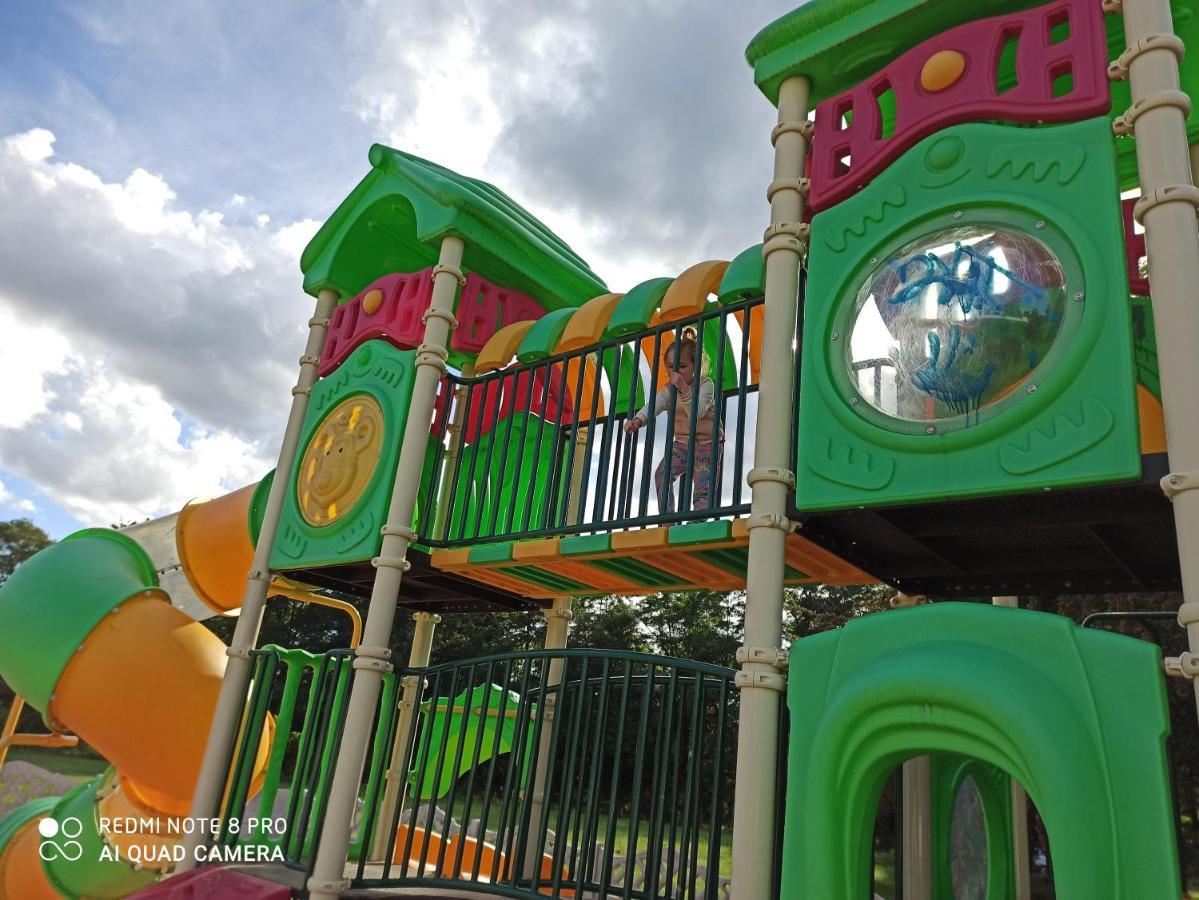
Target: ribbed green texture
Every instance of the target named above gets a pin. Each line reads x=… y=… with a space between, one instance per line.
x=26 y=812
x=1077 y=716
x=50 y=604
x=700 y=533
x=579 y=544
x=543 y=337
x=90 y=876
x=744 y=278
x=637 y=307
x=634 y=570
x=394 y=220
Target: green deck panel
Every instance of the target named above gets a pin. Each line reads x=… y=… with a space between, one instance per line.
x=586 y=544
x=637 y=307
x=839 y=43
x=635 y=570
x=543 y=337
x=1079 y=427
x=53 y=600
x=733 y=560
x=744 y=278
x=700 y=533
x=790 y=573
x=1076 y=715
x=485 y=554
x=550 y=580
x=395 y=218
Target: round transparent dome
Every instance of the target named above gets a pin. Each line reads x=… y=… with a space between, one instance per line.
x=954 y=322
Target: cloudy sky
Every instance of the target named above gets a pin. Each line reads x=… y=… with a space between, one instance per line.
x=163 y=164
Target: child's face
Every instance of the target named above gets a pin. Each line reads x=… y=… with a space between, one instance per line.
x=684 y=364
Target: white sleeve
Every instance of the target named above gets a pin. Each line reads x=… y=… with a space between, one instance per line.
x=660 y=402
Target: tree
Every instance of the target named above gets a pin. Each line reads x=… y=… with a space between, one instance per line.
x=19 y=540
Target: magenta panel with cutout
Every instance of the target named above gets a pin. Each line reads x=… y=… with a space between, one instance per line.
x=1060 y=56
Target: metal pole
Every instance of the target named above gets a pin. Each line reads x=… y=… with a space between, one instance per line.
x=1020 y=866
x=371 y=657
x=393 y=793
x=210 y=785
x=761 y=680
x=917 y=829
x=1167 y=210
x=557 y=625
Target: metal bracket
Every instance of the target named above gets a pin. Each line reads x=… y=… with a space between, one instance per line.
x=373 y=659
x=434 y=312
x=902 y=600
x=314 y=322
x=1175 y=193
x=1112 y=7
x=399 y=531
x=431 y=355
x=555 y=612
x=336 y=887
x=1188 y=613
x=439 y=269
x=774 y=681
x=373 y=665
x=307 y=360
x=802 y=185
x=259 y=575
x=237 y=653
x=767 y=656
x=299 y=391
x=1184 y=666
x=391 y=562
x=765 y=473
x=801 y=231
x=771 y=520
x=1123 y=124
x=1177 y=482
x=1117 y=70
x=802 y=127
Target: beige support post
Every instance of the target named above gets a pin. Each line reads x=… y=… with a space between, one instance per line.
x=210 y=785
x=397 y=779
x=1020 y=863
x=457 y=433
x=917 y=829
x=557 y=626
x=761 y=679
x=1169 y=197
x=371 y=658
x=578 y=473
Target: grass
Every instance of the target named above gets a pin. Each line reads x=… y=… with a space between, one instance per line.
x=73 y=766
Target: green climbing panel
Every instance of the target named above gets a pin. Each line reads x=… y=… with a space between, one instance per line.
x=967 y=329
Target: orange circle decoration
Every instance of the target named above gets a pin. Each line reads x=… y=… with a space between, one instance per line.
x=372 y=301
x=942 y=70
x=340 y=459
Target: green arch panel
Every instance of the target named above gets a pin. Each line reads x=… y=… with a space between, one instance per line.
x=745 y=277
x=1078 y=717
x=637 y=307
x=543 y=337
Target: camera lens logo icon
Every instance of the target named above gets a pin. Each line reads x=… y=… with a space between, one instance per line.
x=59 y=839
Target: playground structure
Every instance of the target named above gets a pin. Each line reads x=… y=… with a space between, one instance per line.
x=944 y=368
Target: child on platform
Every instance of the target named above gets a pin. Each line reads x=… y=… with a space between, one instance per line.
x=682 y=360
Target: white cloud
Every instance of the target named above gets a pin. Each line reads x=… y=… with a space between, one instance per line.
x=125 y=316
x=12 y=501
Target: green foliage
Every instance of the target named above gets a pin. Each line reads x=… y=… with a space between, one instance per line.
x=19 y=540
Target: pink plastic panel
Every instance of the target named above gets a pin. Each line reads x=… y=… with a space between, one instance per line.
x=1134 y=250
x=398 y=318
x=211 y=883
x=849 y=148
x=483 y=308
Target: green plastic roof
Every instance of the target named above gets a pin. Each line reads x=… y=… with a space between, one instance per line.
x=393 y=221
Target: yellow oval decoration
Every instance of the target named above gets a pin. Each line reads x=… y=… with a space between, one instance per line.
x=340 y=460
x=942 y=70
x=372 y=301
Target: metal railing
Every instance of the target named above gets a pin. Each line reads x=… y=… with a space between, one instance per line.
x=540 y=448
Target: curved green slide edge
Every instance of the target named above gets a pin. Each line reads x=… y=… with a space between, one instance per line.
x=90 y=876
x=257 y=510
x=1078 y=717
x=53 y=600
x=744 y=278
x=26 y=812
x=543 y=337
x=637 y=307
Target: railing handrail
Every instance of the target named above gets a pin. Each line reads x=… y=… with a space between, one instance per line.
x=577 y=653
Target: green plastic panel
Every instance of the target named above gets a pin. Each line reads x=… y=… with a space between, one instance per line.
x=1077 y=716
x=26 y=812
x=393 y=221
x=380 y=371
x=1071 y=420
x=583 y=544
x=89 y=876
x=744 y=278
x=493 y=485
x=1145 y=347
x=543 y=337
x=700 y=533
x=53 y=600
x=257 y=509
x=637 y=307
x=457 y=722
